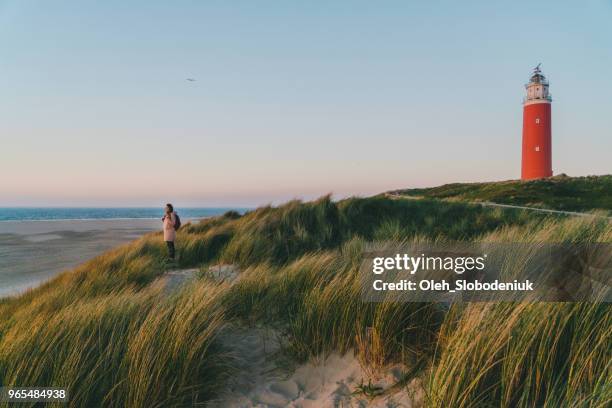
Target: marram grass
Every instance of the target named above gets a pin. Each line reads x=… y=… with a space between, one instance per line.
x=111 y=334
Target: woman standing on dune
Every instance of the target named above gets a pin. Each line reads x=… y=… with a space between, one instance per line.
x=169 y=220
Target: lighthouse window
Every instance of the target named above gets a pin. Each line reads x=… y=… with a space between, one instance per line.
x=537 y=148
x=538 y=121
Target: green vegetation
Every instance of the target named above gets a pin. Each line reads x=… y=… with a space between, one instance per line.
x=556 y=193
x=109 y=332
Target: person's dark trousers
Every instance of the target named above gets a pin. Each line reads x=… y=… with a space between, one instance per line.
x=170 y=249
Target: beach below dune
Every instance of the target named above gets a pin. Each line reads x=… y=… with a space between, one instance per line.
x=32 y=252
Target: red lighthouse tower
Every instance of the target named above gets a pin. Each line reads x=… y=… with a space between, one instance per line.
x=537 y=135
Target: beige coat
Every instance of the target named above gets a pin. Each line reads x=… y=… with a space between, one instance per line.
x=169 y=231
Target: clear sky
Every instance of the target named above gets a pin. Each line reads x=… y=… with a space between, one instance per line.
x=291 y=99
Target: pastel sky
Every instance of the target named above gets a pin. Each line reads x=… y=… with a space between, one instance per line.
x=291 y=99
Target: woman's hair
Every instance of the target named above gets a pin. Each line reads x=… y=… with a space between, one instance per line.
x=170 y=207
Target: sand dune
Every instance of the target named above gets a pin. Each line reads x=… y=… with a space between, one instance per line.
x=265 y=378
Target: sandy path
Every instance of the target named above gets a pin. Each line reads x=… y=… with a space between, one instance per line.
x=395 y=196
x=519 y=207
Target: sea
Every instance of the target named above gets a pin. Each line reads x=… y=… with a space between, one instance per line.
x=55 y=213
x=36 y=244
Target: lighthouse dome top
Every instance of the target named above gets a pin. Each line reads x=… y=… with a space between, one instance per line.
x=537 y=88
x=537 y=77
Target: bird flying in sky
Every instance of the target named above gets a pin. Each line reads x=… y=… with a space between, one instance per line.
x=191 y=79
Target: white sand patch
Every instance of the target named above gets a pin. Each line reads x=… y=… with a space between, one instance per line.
x=223 y=272
x=335 y=383
x=176 y=278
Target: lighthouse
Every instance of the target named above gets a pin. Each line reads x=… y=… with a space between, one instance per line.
x=537 y=134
